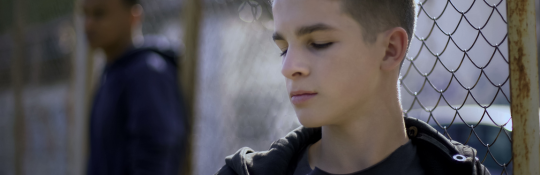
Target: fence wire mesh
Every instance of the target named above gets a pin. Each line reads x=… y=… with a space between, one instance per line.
x=456 y=76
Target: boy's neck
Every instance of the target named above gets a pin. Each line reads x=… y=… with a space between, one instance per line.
x=364 y=140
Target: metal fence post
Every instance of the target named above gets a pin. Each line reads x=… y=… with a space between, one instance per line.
x=80 y=97
x=524 y=86
x=192 y=13
x=17 y=86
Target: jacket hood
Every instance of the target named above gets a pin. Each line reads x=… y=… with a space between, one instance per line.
x=438 y=154
x=157 y=44
x=279 y=159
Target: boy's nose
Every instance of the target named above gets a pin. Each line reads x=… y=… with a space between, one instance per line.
x=295 y=65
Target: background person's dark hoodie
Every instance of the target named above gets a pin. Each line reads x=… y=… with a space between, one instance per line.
x=137 y=122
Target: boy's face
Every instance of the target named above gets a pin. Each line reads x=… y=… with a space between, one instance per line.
x=331 y=73
x=106 y=22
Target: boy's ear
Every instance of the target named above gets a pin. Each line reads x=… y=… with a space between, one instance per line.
x=396 y=42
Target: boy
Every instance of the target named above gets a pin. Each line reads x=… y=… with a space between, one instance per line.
x=341 y=60
x=137 y=118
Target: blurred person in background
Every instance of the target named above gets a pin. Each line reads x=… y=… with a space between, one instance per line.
x=137 y=122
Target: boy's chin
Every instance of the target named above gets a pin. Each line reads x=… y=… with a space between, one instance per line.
x=311 y=121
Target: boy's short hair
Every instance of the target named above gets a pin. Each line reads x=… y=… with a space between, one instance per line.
x=375 y=16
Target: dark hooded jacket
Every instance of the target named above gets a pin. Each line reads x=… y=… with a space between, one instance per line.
x=438 y=155
x=137 y=122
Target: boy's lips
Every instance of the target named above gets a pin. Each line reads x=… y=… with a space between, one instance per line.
x=299 y=97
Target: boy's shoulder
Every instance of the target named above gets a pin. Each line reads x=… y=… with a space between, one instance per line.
x=438 y=155
x=281 y=158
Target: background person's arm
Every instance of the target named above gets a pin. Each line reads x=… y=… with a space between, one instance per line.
x=155 y=122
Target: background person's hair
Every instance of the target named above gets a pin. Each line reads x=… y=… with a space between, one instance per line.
x=376 y=16
x=131 y=3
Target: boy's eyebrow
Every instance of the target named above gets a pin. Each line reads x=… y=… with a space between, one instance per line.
x=305 y=30
x=312 y=28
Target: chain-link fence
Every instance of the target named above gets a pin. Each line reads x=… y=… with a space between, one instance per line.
x=456 y=76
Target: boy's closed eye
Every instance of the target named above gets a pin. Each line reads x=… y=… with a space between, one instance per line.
x=316 y=46
x=320 y=46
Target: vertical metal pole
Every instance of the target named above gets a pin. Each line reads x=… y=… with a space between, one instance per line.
x=80 y=97
x=17 y=86
x=537 y=5
x=192 y=10
x=524 y=86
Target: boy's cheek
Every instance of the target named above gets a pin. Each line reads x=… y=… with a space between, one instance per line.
x=318 y=112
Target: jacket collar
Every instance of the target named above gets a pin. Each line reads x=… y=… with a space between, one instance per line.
x=437 y=153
